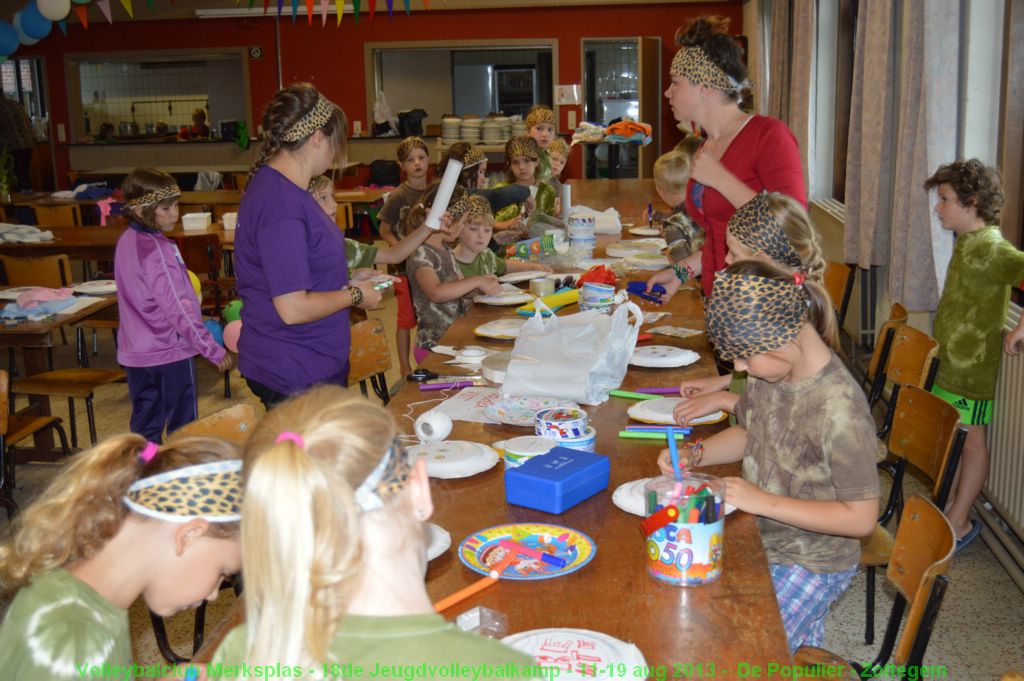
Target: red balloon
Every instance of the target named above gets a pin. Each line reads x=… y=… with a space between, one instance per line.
x=232 y=331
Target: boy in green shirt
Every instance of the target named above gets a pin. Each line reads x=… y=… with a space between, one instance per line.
x=471 y=252
x=970 y=318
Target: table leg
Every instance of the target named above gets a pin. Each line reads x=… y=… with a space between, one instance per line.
x=613 y=161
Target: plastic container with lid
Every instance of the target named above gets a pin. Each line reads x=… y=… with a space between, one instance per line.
x=684 y=529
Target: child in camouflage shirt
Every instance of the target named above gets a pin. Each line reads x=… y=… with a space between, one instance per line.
x=969 y=320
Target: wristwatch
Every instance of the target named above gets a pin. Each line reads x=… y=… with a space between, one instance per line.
x=357 y=295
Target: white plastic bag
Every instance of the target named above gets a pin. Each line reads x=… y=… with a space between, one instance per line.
x=579 y=357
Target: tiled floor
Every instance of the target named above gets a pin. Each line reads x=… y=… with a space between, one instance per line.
x=979 y=634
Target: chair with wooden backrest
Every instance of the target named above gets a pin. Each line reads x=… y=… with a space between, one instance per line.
x=898 y=316
x=233 y=423
x=52 y=271
x=343 y=217
x=58 y=216
x=370 y=357
x=13 y=429
x=923 y=431
x=919 y=571
x=839 y=279
x=239 y=180
x=913 y=359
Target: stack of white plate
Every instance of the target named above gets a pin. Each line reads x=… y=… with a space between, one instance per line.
x=518 y=128
x=471 y=130
x=506 y=126
x=451 y=129
x=492 y=132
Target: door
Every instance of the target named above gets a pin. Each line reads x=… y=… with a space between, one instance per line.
x=649 y=91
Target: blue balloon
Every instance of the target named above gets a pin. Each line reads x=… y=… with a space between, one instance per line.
x=216 y=330
x=8 y=39
x=23 y=37
x=34 y=23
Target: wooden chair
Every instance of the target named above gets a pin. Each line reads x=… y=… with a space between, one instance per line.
x=13 y=429
x=370 y=357
x=923 y=431
x=898 y=316
x=233 y=423
x=344 y=217
x=58 y=215
x=51 y=271
x=839 y=278
x=204 y=255
x=919 y=571
x=70 y=383
x=912 y=359
x=239 y=180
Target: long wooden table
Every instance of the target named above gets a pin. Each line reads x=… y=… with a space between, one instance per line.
x=96 y=243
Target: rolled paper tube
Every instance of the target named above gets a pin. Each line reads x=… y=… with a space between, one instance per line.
x=444 y=193
x=475 y=587
x=566 y=201
x=658 y=391
x=647 y=435
x=632 y=396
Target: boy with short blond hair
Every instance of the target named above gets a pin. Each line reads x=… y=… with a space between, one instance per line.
x=969 y=320
x=683 y=236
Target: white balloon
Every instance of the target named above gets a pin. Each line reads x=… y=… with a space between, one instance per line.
x=22 y=38
x=54 y=10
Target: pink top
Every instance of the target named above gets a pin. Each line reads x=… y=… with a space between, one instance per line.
x=764 y=155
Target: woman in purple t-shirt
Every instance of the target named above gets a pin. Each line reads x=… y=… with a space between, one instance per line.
x=290 y=257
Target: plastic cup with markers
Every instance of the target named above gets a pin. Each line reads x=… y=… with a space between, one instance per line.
x=684 y=529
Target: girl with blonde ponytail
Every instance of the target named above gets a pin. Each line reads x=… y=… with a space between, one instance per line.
x=772 y=228
x=125 y=519
x=804 y=434
x=334 y=546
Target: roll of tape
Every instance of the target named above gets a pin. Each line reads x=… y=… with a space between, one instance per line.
x=495 y=365
x=585 y=443
x=561 y=424
x=433 y=426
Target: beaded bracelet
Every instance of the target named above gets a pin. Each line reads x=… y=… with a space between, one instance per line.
x=683 y=273
x=697 y=447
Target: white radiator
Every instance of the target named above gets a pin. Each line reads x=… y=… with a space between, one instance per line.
x=1003 y=510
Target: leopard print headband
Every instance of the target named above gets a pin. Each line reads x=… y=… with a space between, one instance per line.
x=212 y=491
x=540 y=115
x=385 y=481
x=459 y=208
x=692 y=63
x=315 y=118
x=408 y=144
x=750 y=315
x=473 y=157
x=522 y=146
x=477 y=205
x=756 y=226
x=558 y=146
x=155 y=196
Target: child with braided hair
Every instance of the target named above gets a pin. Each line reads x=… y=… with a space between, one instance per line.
x=805 y=436
x=124 y=519
x=161 y=321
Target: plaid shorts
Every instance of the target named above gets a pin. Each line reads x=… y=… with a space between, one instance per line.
x=804 y=599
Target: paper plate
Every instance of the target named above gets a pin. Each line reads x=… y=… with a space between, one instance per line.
x=480 y=551
x=501 y=329
x=662 y=356
x=438 y=541
x=98 y=286
x=587 y=263
x=14 y=292
x=624 y=249
x=522 y=411
x=629 y=496
x=579 y=654
x=515 y=277
x=505 y=298
x=659 y=412
x=455 y=458
x=645 y=231
x=647 y=260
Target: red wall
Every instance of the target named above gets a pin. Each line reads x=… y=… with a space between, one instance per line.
x=332 y=58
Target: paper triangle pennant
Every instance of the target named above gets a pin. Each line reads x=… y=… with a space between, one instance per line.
x=355 y=10
x=149 y=3
x=309 y=12
x=127 y=4
x=373 y=8
x=339 y=5
x=104 y=6
x=391 y=8
x=63 y=26
x=406 y=7
x=266 y=5
x=323 y=12
x=295 y=10
x=82 y=12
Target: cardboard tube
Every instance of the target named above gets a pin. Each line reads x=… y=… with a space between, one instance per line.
x=444 y=194
x=566 y=201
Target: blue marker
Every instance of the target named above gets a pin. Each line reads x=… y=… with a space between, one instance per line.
x=650 y=214
x=674 y=452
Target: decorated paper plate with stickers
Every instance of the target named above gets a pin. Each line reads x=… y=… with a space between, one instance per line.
x=662 y=356
x=581 y=654
x=510 y=295
x=455 y=458
x=630 y=247
x=660 y=412
x=544 y=551
x=522 y=411
x=645 y=231
x=501 y=329
x=438 y=541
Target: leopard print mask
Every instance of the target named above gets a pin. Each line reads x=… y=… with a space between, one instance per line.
x=386 y=480
x=750 y=315
x=212 y=491
x=755 y=226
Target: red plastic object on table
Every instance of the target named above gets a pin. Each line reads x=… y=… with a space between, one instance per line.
x=598 y=274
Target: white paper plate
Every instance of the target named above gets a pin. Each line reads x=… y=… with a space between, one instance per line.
x=456 y=458
x=587 y=263
x=505 y=298
x=629 y=496
x=438 y=541
x=515 y=277
x=13 y=293
x=647 y=260
x=662 y=356
x=659 y=412
x=522 y=411
x=98 y=286
x=645 y=231
x=565 y=648
x=501 y=329
x=624 y=249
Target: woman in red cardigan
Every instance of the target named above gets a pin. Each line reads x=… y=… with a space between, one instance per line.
x=741 y=155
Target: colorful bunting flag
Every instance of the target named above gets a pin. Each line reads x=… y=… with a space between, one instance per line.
x=309 y=12
x=149 y=3
x=82 y=12
x=323 y=12
x=104 y=6
x=355 y=10
x=127 y=4
x=391 y=8
x=295 y=10
x=339 y=5
x=373 y=8
x=406 y=7
x=63 y=25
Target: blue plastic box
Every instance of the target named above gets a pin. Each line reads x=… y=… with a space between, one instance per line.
x=558 y=480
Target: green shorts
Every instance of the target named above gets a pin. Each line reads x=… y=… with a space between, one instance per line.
x=972 y=412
